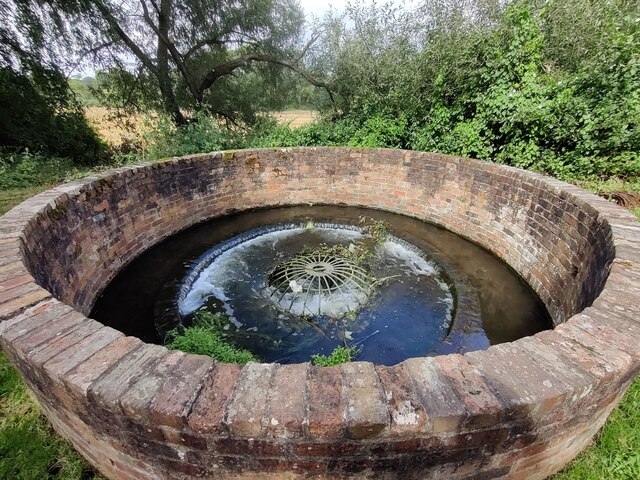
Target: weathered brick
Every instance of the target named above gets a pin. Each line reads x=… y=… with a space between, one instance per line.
x=406 y=411
x=173 y=401
x=207 y=415
x=483 y=408
x=247 y=409
x=84 y=349
x=119 y=379
x=84 y=374
x=326 y=405
x=76 y=238
x=286 y=405
x=367 y=414
x=446 y=412
x=136 y=399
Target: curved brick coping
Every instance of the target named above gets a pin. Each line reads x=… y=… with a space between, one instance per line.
x=517 y=410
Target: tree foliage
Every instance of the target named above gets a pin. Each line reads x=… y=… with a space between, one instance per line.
x=551 y=85
x=179 y=56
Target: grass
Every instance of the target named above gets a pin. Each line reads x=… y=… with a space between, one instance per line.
x=30 y=449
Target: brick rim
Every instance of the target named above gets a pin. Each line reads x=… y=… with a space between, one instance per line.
x=381 y=409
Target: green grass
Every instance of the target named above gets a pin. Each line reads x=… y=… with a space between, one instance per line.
x=29 y=448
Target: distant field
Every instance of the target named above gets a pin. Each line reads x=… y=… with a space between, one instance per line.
x=122 y=130
x=113 y=129
x=298 y=118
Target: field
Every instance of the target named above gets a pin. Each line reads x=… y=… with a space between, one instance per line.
x=119 y=130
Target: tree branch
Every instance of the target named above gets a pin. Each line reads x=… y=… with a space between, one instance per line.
x=112 y=21
x=217 y=41
x=244 y=60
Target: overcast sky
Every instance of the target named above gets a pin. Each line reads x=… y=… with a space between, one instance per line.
x=319 y=8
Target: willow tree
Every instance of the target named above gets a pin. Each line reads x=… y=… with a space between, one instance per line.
x=180 y=51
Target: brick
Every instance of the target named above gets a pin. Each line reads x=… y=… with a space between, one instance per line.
x=445 y=411
x=135 y=401
x=84 y=374
x=84 y=349
x=523 y=387
x=173 y=401
x=123 y=374
x=406 y=412
x=367 y=414
x=65 y=341
x=32 y=318
x=286 y=406
x=326 y=405
x=48 y=332
x=483 y=408
x=16 y=305
x=208 y=412
x=559 y=238
x=247 y=410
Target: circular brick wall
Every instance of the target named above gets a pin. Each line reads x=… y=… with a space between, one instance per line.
x=516 y=410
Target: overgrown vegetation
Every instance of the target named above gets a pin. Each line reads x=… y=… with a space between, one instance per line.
x=206 y=336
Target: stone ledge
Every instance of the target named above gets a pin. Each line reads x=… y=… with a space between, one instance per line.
x=518 y=410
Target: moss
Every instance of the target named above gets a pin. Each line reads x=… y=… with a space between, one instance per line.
x=228 y=156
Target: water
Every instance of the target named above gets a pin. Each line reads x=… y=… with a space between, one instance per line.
x=440 y=294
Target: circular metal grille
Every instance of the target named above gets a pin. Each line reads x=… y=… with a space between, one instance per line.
x=318 y=283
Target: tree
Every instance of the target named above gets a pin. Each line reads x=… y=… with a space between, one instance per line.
x=38 y=111
x=182 y=49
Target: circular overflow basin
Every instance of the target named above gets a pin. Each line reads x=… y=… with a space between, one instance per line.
x=519 y=409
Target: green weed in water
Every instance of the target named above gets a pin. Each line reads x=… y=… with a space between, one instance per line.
x=338 y=356
x=206 y=337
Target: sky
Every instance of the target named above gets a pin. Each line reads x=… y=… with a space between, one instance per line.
x=320 y=7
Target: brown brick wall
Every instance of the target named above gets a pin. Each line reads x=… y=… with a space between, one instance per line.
x=518 y=410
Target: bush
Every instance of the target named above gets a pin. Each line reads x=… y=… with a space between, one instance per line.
x=24 y=170
x=38 y=113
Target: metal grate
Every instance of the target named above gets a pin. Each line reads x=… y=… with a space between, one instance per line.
x=318 y=283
